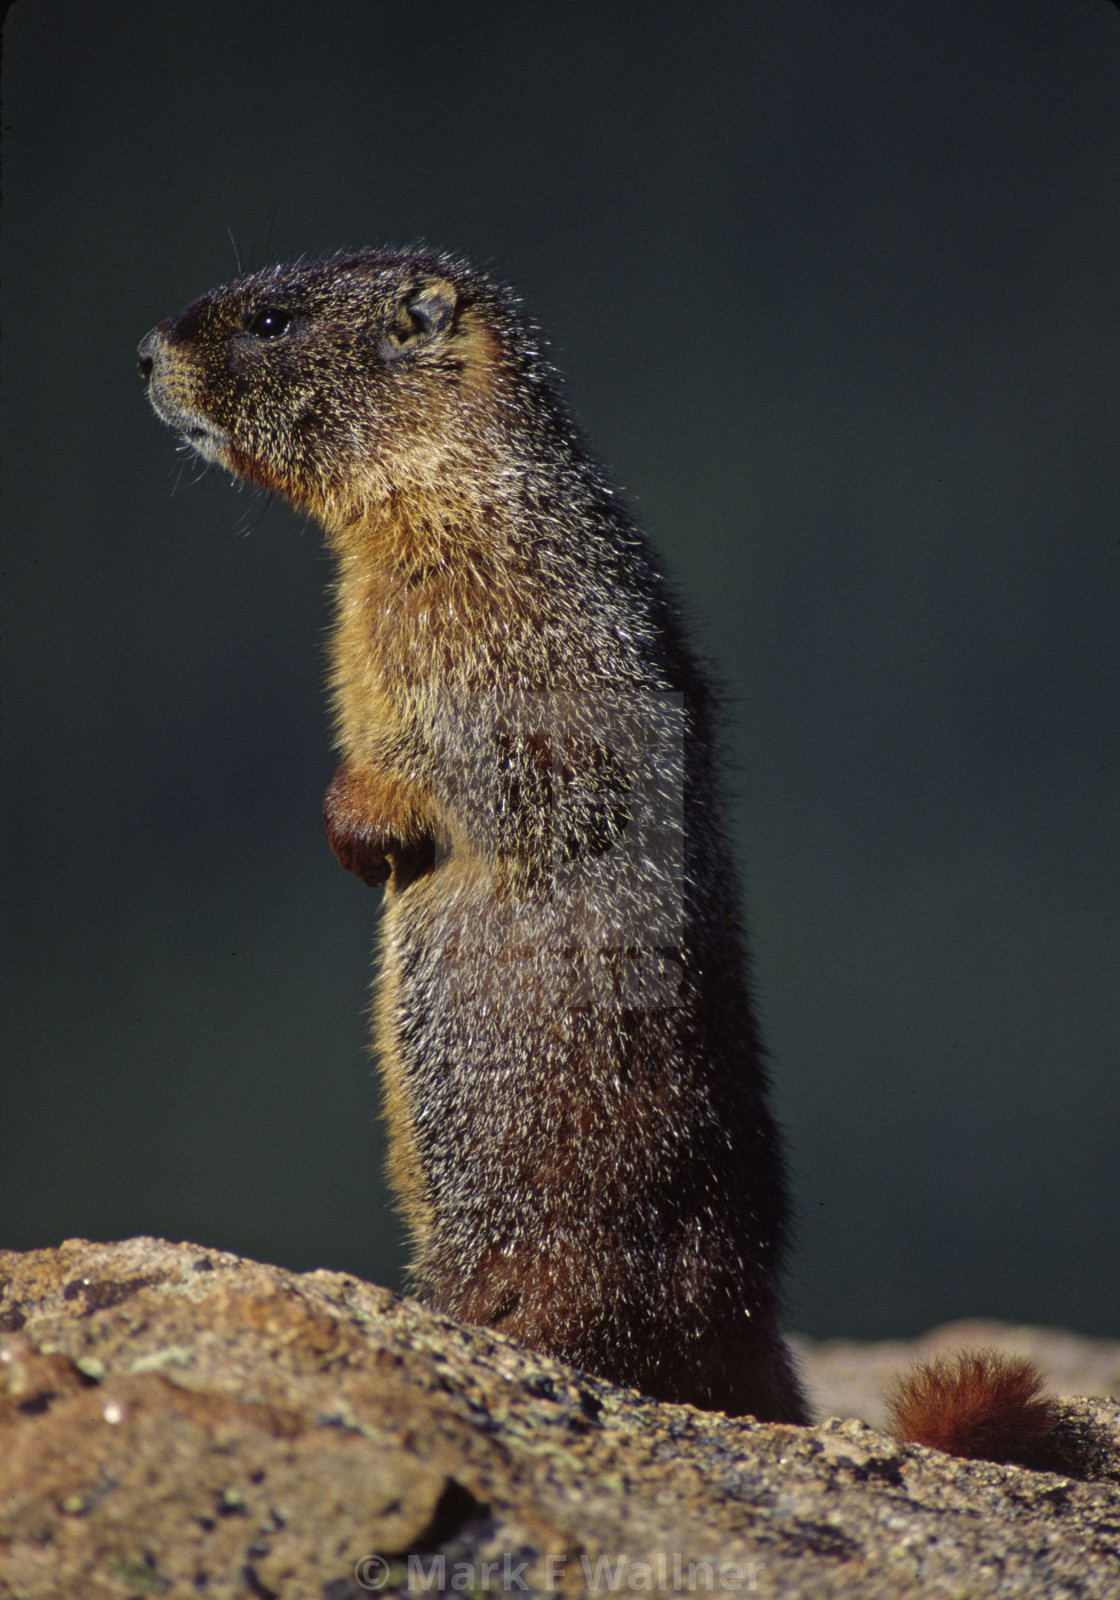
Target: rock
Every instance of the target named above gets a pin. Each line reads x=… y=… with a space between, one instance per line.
x=178 y=1422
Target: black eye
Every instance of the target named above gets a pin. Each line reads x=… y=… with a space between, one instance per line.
x=271 y=323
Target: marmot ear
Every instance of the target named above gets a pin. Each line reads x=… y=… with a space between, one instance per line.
x=423 y=312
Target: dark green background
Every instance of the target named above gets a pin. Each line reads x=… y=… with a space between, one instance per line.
x=837 y=291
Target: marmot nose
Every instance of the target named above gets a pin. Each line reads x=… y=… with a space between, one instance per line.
x=146 y=353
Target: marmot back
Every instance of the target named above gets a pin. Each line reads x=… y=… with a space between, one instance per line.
x=575 y=1092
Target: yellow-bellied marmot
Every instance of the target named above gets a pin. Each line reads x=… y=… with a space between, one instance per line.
x=573 y=1081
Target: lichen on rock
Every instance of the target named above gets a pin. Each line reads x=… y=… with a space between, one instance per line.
x=177 y=1421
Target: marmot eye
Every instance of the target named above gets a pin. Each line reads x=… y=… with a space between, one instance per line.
x=271 y=323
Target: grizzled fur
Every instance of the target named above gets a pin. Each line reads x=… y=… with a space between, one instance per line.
x=574 y=1086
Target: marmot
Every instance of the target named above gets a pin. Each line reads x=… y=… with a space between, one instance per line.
x=574 y=1085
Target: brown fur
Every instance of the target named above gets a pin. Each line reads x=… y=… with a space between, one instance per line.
x=574 y=1088
x=978 y=1404
x=573 y=1082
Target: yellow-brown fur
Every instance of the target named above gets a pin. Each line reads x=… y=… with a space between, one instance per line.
x=574 y=1087
x=573 y=1083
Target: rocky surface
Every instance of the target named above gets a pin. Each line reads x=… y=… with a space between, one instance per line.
x=178 y=1422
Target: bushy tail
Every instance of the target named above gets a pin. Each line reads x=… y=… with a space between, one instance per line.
x=978 y=1404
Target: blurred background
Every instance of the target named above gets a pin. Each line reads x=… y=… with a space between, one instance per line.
x=836 y=290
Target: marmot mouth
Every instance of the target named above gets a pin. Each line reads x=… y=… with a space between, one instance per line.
x=195 y=429
x=210 y=442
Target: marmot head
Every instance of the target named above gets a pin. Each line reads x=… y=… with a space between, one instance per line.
x=341 y=381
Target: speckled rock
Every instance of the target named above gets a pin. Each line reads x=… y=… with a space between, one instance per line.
x=178 y=1422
